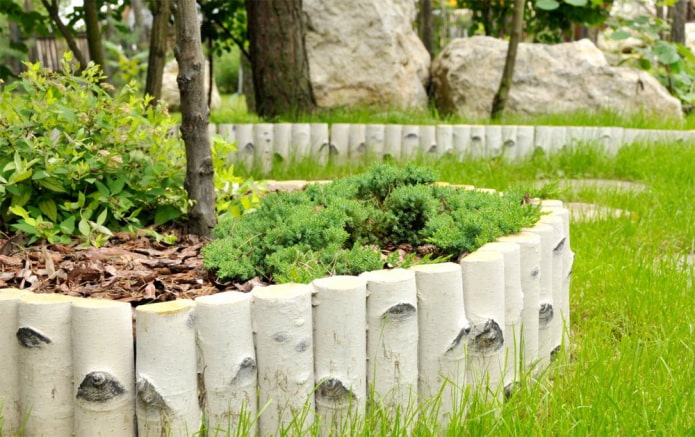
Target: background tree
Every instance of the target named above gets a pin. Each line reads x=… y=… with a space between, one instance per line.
x=161 y=12
x=679 y=15
x=91 y=19
x=279 y=59
x=500 y=100
x=426 y=26
x=194 y=119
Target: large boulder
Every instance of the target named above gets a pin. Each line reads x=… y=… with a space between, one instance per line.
x=365 y=53
x=547 y=79
x=170 y=88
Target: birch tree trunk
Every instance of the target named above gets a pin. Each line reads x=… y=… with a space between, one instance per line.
x=194 y=119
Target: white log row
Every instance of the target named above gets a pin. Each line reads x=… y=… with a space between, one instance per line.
x=494 y=145
x=45 y=364
x=483 y=298
x=301 y=142
x=393 y=141
x=226 y=131
x=445 y=140
x=282 y=321
x=282 y=135
x=212 y=129
x=264 y=142
x=525 y=140
x=245 y=148
x=103 y=368
x=227 y=360
x=530 y=269
x=558 y=253
x=546 y=311
x=340 y=350
x=462 y=140
x=375 y=138
x=611 y=138
x=477 y=145
x=543 y=138
x=357 y=142
x=576 y=135
x=559 y=139
x=9 y=364
x=428 y=140
x=509 y=143
x=410 y=141
x=443 y=336
x=513 y=305
x=392 y=338
x=166 y=380
x=339 y=141
x=320 y=145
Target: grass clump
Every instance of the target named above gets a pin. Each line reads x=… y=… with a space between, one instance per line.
x=342 y=227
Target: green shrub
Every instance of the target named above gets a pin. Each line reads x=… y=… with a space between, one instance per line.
x=75 y=160
x=341 y=228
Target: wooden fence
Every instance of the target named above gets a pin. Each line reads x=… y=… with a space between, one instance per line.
x=259 y=144
x=70 y=366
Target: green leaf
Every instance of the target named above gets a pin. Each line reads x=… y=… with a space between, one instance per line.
x=52 y=184
x=19 y=211
x=620 y=35
x=27 y=229
x=49 y=209
x=67 y=226
x=116 y=185
x=165 y=214
x=101 y=219
x=84 y=227
x=103 y=189
x=20 y=176
x=666 y=53
x=578 y=3
x=547 y=5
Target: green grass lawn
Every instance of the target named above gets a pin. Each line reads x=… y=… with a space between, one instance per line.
x=631 y=367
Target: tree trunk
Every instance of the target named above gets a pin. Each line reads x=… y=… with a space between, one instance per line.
x=425 y=26
x=679 y=15
x=279 y=59
x=161 y=10
x=500 y=100
x=53 y=12
x=194 y=119
x=91 y=18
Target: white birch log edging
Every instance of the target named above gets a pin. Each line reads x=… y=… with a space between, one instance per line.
x=320 y=144
x=245 y=148
x=410 y=141
x=428 y=140
x=227 y=361
x=375 y=140
x=392 y=338
x=443 y=336
x=445 y=140
x=340 y=349
x=493 y=141
x=166 y=379
x=393 y=141
x=103 y=368
x=9 y=364
x=264 y=143
x=45 y=364
x=477 y=145
x=282 y=135
x=282 y=323
x=301 y=142
x=483 y=298
x=462 y=141
x=357 y=142
x=559 y=241
x=339 y=140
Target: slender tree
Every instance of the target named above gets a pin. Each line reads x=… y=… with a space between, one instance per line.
x=679 y=15
x=161 y=11
x=91 y=19
x=500 y=100
x=195 y=113
x=54 y=13
x=278 y=57
x=425 y=26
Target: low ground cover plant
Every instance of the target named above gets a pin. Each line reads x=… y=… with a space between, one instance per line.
x=342 y=227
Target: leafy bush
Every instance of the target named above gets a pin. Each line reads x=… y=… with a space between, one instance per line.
x=76 y=160
x=341 y=228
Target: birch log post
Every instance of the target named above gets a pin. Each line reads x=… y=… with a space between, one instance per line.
x=340 y=350
x=410 y=141
x=9 y=364
x=543 y=138
x=477 y=145
x=529 y=269
x=545 y=297
x=493 y=141
x=444 y=330
x=357 y=142
x=445 y=139
x=245 y=148
x=103 y=368
x=166 y=380
x=513 y=305
x=45 y=364
x=282 y=320
x=375 y=138
x=282 y=136
x=393 y=141
x=392 y=339
x=462 y=140
x=525 y=140
x=263 y=141
x=559 y=241
x=227 y=360
x=483 y=297
x=509 y=143
x=226 y=131
x=339 y=141
x=428 y=140
x=301 y=142
x=320 y=146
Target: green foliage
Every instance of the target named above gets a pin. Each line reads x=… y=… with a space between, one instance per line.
x=75 y=160
x=226 y=68
x=338 y=228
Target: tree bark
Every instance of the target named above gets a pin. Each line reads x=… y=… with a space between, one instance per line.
x=194 y=119
x=426 y=27
x=161 y=10
x=96 y=49
x=500 y=100
x=679 y=15
x=279 y=59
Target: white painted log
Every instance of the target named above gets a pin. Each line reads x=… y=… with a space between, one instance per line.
x=226 y=131
x=428 y=140
x=339 y=141
x=530 y=268
x=340 y=349
x=543 y=138
x=320 y=145
x=558 y=254
x=227 y=359
x=525 y=141
x=246 y=150
x=513 y=305
x=410 y=141
x=462 y=140
x=45 y=364
x=393 y=141
x=575 y=135
x=375 y=140
x=282 y=138
x=445 y=140
x=103 y=368
x=611 y=138
x=357 y=142
x=493 y=141
x=212 y=129
x=282 y=320
x=546 y=310
x=483 y=298
x=9 y=363
x=509 y=142
x=301 y=142
x=477 y=145
x=443 y=336
x=263 y=140
x=392 y=340
x=166 y=380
